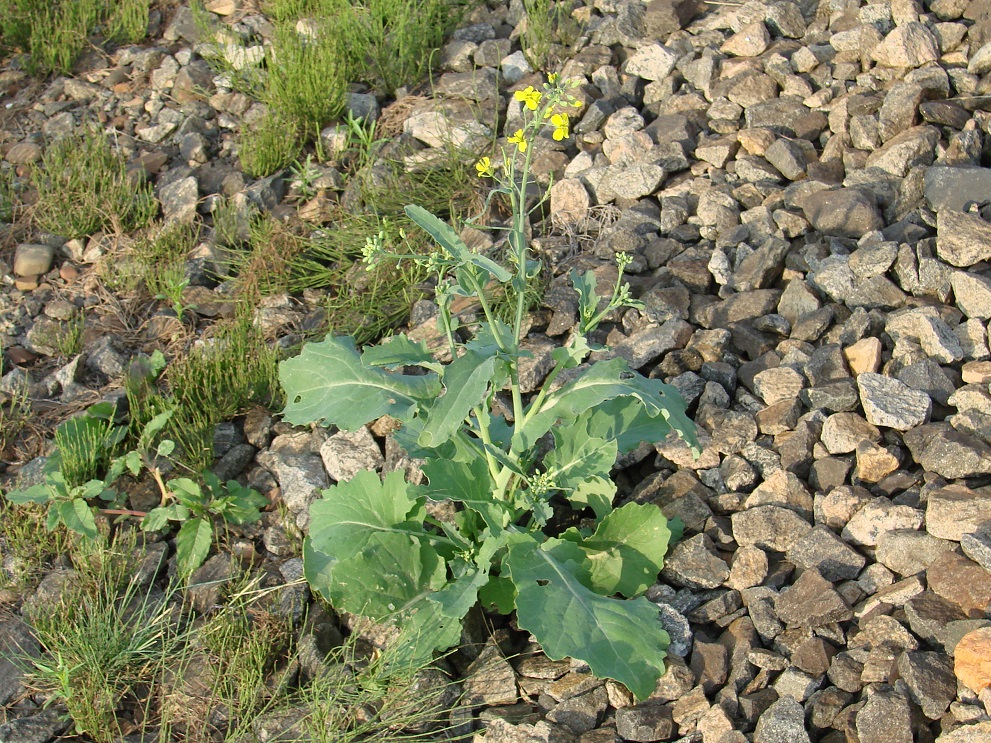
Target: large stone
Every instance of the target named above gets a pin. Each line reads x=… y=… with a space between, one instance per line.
x=878 y=516
x=179 y=200
x=664 y=17
x=842 y=433
x=651 y=62
x=953 y=188
x=954 y=511
x=347 y=453
x=769 y=527
x=845 y=212
x=645 y=722
x=962 y=239
x=972 y=659
x=908 y=45
x=972 y=293
x=930 y=680
x=961 y=582
x=908 y=551
x=942 y=449
x=823 y=550
x=891 y=403
x=811 y=602
x=32 y=260
x=489 y=680
x=782 y=722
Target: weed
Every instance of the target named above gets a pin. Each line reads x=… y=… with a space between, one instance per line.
x=26 y=544
x=55 y=32
x=15 y=412
x=268 y=145
x=307 y=79
x=400 y=36
x=230 y=228
x=548 y=23
x=287 y=10
x=85 y=443
x=273 y=247
x=103 y=640
x=83 y=187
x=305 y=174
x=9 y=201
x=162 y=259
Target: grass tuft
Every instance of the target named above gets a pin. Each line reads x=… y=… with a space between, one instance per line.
x=268 y=146
x=83 y=187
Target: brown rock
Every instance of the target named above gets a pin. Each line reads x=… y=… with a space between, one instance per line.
x=864 y=355
x=977 y=372
x=972 y=659
x=962 y=582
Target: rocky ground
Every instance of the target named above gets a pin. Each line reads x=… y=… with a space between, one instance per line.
x=804 y=190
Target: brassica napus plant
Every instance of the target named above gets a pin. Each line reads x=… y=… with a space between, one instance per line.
x=372 y=549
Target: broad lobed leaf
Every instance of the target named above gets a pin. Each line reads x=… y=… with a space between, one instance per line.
x=619 y=639
x=328 y=383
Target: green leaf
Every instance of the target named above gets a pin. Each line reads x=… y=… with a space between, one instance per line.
x=626 y=552
x=596 y=493
x=399 y=351
x=627 y=421
x=367 y=547
x=606 y=380
x=192 y=544
x=133 y=461
x=466 y=381
x=392 y=571
x=619 y=639
x=449 y=239
x=577 y=456
x=328 y=383
x=155 y=519
x=468 y=483
x=424 y=629
x=187 y=491
x=165 y=448
x=39 y=493
x=77 y=516
x=499 y=592
x=588 y=300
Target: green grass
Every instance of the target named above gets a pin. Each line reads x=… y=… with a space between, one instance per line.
x=83 y=187
x=9 y=201
x=162 y=261
x=548 y=24
x=210 y=384
x=27 y=546
x=269 y=145
x=103 y=640
x=56 y=32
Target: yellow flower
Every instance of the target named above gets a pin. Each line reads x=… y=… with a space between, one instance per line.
x=484 y=168
x=519 y=140
x=552 y=78
x=561 y=126
x=529 y=97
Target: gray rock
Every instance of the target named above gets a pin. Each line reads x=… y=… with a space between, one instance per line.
x=925 y=327
x=846 y=212
x=299 y=470
x=651 y=62
x=769 y=527
x=490 y=680
x=878 y=516
x=32 y=260
x=953 y=188
x=975 y=733
x=822 y=550
x=930 y=680
x=890 y=403
x=778 y=384
x=811 y=602
x=907 y=551
x=843 y=432
x=955 y=511
x=908 y=45
x=678 y=629
x=17 y=642
x=179 y=200
x=347 y=453
x=40 y=727
x=693 y=563
x=972 y=293
x=782 y=722
x=927 y=376
x=962 y=239
x=103 y=356
x=885 y=718
x=664 y=17
x=582 y=712
x=645 y=722
x=940 y=448
x=23 y=153
x=207 y=583
x=977 y=546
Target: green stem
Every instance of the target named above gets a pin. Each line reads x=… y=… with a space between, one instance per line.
x=483 y=434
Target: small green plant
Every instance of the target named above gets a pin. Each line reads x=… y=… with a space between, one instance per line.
x=56 y=32
x=9 y=201
x=304 y=175
x=15 y=412
x=83 y=187
x=85 y=443
x=195 y=506
x=26 y=544
x=168 y=284
x=372 y=549
x=103 y=640
x=268 y=145
x=548 y=23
